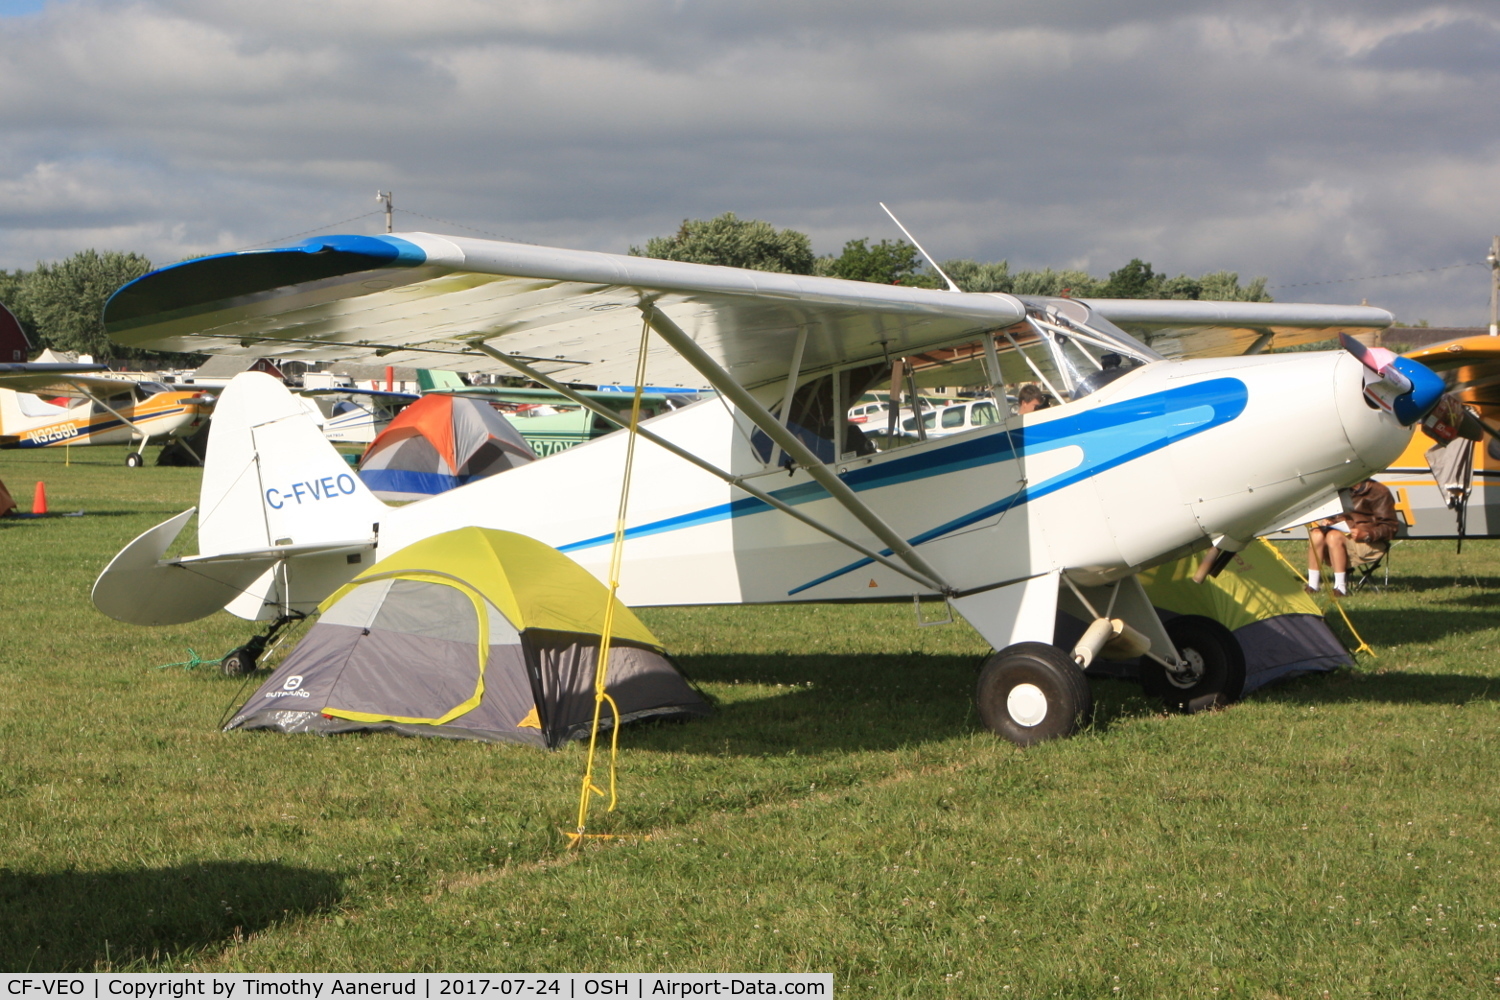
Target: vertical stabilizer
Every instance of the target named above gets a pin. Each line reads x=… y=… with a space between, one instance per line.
x=272 y=478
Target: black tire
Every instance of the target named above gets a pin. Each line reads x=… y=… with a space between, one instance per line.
x=133 y=460
x=237 y=663
x=1032 y=692
x=1218 y=675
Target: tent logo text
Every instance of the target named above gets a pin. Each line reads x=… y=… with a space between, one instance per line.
x=289 y=689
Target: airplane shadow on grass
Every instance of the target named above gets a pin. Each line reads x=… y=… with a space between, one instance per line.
x=1394 y=688
x=840 y=704
x=131 y=920
x=1459 y=578
x=826 y=702
x=1385 y=628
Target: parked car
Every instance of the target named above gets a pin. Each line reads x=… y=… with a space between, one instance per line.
x=955 y=419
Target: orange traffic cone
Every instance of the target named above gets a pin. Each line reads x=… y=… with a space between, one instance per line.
x=39 y=499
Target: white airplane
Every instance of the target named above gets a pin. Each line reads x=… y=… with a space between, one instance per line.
x=356 y=416
x=759 y=494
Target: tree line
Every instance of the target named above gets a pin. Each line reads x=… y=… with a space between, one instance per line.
x=760 y=246
x=61 y=304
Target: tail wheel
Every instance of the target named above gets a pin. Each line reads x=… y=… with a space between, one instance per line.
x=1032 y=692
x=238 y=662
x=1215 y=674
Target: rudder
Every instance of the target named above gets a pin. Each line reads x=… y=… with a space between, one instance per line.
x=272 y=478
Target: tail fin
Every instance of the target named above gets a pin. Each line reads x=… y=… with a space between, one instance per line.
x=14 y=347
x=21 y=412
x=272 y=478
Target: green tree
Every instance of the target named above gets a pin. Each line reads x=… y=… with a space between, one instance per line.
x=973 y=276
x=1074 y=283
x=66 y=300
x=1135 y=280
x=734 y=242
x=885 y=263
x=1224 y=286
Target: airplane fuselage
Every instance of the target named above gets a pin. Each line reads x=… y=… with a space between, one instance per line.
x=1168 y=459
x=27 y=421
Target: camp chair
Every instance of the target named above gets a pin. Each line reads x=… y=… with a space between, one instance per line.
x=1363 y=574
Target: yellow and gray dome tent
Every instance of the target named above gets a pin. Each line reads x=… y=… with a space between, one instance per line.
x=1258 y=598
x=471 y=634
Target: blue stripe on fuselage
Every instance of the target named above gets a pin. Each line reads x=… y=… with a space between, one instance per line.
x=1110 y=435
x=95 y=426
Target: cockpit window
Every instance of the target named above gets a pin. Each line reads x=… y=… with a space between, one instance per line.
x=812 y=418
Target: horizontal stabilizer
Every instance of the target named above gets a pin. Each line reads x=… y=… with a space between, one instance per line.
x=141 y=588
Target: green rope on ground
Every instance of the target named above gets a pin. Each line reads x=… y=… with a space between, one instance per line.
x=194 y=663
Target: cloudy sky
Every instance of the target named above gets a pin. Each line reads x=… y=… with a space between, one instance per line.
x=1310 y=143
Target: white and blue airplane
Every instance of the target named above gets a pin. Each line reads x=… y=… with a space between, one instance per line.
x=760 y=494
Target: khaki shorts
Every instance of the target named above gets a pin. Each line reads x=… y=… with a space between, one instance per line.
x=1364 y=553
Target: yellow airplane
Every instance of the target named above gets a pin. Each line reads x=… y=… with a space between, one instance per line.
x=95 y=408
x=1452 y=490
x=98 y=410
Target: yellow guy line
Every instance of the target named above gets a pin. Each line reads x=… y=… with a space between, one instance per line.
x=601 y=666
x=1363 y=647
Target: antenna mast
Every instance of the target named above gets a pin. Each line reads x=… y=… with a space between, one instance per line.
x=951 y=286
x=385 y=196
x=1494 y=260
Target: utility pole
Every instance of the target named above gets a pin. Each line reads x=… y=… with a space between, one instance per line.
x=1494 y=259
x=385 y=196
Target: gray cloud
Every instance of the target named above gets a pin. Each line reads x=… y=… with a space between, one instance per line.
x=1357 y=138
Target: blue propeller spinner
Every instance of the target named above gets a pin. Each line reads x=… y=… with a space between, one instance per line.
x=1406 y=388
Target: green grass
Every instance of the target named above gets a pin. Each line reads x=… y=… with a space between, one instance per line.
x=1335 y=836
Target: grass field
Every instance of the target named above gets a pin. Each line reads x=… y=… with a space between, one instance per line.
x=843 y=812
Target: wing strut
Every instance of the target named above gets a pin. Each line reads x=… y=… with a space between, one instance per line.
x=145 y=437
x=713 y=470
x=721 y=380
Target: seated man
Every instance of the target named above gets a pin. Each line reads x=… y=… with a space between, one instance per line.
x=1360 y=538
x=1031 y=398
x=1113 y=366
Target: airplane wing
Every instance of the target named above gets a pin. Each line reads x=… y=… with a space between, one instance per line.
x=1470 y=366
x=425 y=300
x=506 y=394
x=1207 y=329
x=61 y=380
x=400 y=397
x=420 y=300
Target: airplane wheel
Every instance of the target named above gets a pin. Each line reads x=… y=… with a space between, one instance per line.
x=1217 y=674
x=237 y=663
x=1032 y=691
x=134 y=460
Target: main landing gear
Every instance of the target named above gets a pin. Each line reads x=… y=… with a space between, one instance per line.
x=242 y=659
x=134 y=460
x=1034 y=691
x=1213 y=673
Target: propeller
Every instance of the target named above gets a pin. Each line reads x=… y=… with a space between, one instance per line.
x=1450 y=420
x=1407 y=389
